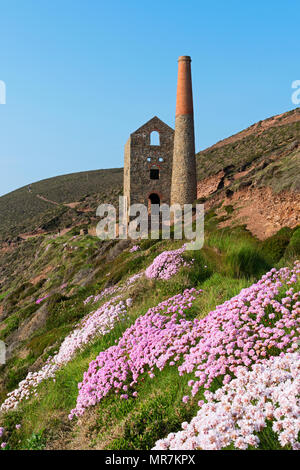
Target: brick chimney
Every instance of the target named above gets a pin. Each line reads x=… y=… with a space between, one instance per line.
x=184 y=179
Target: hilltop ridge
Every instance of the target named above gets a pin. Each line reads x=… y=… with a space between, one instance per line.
x=265 y=156
x=68 y=300
x=256 y=174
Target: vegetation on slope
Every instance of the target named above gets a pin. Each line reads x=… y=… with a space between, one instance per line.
x=22 y=210
x=230 y=260
x=253 y=147
x=45 y=280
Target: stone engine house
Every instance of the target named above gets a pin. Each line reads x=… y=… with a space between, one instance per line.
x=163 y=171
x=148 y=164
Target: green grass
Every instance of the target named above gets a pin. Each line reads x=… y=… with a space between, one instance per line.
x=158 y=399
x=21 y=210
x=293 y=248
x=275 y=246
x=230 y=260
x=157 y=411
x=130 y=424
x=245 y=150
x=239 y=253
x=246 y=260
x=3 y=295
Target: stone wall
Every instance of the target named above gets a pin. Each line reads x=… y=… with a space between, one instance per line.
x=184 y=178
x=140 y=157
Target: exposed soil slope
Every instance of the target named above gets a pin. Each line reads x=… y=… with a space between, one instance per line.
x=257 y=173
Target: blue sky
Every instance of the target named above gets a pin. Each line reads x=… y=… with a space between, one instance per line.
x=81 y=75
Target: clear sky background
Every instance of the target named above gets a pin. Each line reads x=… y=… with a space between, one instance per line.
x=81 y=75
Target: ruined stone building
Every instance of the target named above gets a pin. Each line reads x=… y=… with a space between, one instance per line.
x=160 y=165
x=148 y=164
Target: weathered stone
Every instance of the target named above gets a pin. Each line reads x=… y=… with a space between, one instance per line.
x=141 y=157
x=184 y=179
x=164 y=173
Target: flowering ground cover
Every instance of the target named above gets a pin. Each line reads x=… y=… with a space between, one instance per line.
x=166 y=359
x=257 y=323
x=260 y=322
x=114 y=289
x=41 y=299
x=94 y=324
x=167 y=264
x=148 y=344
x=134 y=248
x=238 y=412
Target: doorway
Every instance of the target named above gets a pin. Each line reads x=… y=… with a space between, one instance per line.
x=153 y=200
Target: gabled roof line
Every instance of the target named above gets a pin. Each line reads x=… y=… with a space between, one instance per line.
x=152 y=119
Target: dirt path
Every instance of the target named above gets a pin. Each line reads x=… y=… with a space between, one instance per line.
x=43 y=198
x=72 y=205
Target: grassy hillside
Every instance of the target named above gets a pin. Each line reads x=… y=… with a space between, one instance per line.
x=269 y=149
x=65 y=271
x=23 y=211
x=271 y=137
x=255 y=175
x=61 y=316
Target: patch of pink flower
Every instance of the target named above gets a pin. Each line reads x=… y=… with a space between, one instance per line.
x=134 y=249
x=235 y=413
x=243 y=331
x=38 y=301
x=149 y=343
x=114 y=289
x=167 y=264
x=94 y=324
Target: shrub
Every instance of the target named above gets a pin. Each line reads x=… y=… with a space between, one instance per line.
x=293 y=248
x=246 y=261
x=229 y=209
x=274 y=247
x=36 y=441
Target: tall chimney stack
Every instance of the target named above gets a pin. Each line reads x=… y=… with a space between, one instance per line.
x=184 y=179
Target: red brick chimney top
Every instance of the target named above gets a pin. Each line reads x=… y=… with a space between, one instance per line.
x=186 y=58
x=184 y=102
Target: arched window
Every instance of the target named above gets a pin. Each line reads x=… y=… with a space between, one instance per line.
x=154 y=138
